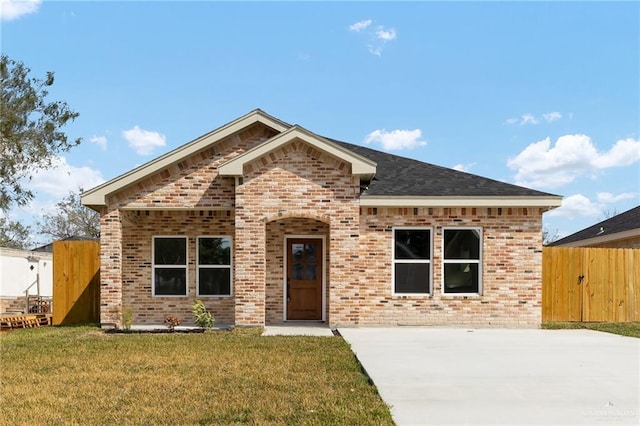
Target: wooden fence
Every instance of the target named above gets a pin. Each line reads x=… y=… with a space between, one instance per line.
x=590 y=284
x=76 y=282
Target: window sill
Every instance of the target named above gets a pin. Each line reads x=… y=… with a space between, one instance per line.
x=214 y=296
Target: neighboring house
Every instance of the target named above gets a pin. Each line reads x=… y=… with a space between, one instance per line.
x=24 y=270
x=619 y=231
x=268 y=222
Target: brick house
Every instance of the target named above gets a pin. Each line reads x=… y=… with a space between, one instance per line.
x=267 y=222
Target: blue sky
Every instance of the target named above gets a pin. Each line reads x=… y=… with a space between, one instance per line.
x=545 y=95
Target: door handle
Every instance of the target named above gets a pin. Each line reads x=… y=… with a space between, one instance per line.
x=288 y=289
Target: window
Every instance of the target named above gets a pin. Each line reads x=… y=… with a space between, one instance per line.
x=461 y=260
x=412 y=261
x=214 y=266
x=169 y=266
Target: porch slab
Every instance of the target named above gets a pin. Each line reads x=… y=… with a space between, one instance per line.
x=298 y=329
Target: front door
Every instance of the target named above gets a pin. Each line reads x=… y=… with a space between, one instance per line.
x=304 y=279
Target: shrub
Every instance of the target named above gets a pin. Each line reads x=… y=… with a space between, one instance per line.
x=171 y=322
x=127 y=317
x=203 y=318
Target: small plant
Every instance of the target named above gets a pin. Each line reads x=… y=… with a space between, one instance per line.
x=171 y=322
x=203 y=318
x=127 y=317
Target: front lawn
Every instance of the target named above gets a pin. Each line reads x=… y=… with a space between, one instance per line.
x=631 y=329
x=82 y=375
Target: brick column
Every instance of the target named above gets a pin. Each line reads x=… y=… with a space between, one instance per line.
x=111 y=269
x=345 y=266
x=249 y=269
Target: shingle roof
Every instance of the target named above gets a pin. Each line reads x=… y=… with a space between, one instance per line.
x=400 y=176
x=622 y=222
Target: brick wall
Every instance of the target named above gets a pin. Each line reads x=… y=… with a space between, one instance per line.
x=298 y=190
x=138 y=232
x=296 y=180
x=511 y=279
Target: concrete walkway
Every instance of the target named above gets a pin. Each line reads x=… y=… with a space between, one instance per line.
x=438 y=376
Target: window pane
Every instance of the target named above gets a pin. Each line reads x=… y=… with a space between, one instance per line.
x=297 y=250
x=215 y=281
x=170 y=281
x=412 y=277
x=298 y=271
x=461 y=278
x=311 y=273
x=170 y=251
x=310 y=250
x=214 y=251
x=461 y=244
x=412 y=244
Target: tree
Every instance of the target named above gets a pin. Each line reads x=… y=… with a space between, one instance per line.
x=30 y=135
x=71 y=219
x=14 y=234
x=548 y=237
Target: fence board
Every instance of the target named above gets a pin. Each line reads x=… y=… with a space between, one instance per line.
x=590 y=284
x=76 y=282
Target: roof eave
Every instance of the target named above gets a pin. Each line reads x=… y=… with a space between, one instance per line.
x=546 y=202
x=600 y=239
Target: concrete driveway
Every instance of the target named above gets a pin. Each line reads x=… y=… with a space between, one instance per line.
x=436 y=376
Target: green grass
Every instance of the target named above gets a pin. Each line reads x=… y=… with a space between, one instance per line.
x=81 y=375
x=631 y=329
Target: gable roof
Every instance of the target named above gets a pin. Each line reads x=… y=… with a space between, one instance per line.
x=97 y=196
x=360 y=165
x=388 y=180
x=623 y=225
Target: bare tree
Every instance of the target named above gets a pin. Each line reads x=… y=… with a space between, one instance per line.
x=71 y=219
x=549 y=236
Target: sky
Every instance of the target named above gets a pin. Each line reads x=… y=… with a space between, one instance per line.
x=539 y=94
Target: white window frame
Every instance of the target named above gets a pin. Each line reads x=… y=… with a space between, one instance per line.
x=154 y=266
x=198 y=266
x=476 y=261
x=395 y=261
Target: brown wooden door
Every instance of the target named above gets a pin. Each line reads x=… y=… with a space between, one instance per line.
x=304 y=279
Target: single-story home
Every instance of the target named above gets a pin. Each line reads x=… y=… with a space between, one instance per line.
x=268 y=222
x=619 y=231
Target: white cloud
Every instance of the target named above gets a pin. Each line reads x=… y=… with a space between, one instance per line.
x=608 y=198
x=528 y=119
x=143 y=141
x=624 y=153
x=463 y=167
x=576 y=205
x=550 y=117
x=62 y=178
x=386 y=35
x=542 y=165
x=101 y=141
x=378 y=36
x=396 y=139
x=14 y=9
x=359 y=26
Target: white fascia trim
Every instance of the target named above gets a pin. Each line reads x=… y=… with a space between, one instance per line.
x=549 y=202
x=97 y=195
x=603 y=239
x=360 y=166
